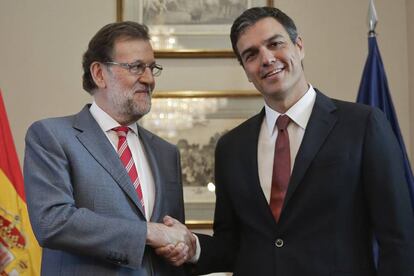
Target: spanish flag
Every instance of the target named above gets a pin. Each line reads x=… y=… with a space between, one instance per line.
x=19 y=251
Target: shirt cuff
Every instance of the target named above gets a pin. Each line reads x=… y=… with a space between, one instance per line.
x=196 y=256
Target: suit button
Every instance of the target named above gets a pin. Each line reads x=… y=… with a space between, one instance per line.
x=279 y=243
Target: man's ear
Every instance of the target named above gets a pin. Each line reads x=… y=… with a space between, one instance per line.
x=97 y=74
x=301 y=48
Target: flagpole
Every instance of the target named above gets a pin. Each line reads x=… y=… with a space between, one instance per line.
x=372 y=19
x=374 y=91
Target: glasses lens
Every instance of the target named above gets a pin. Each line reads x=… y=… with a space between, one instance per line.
x=138 y=68
x=156 y=70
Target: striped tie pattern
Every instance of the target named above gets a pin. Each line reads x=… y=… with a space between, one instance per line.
x=125 y=155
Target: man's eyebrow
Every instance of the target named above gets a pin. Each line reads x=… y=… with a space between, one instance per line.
x=248 y=50
x=137 y=61
x=253 y=48
x=140 y=61
x=274 y=37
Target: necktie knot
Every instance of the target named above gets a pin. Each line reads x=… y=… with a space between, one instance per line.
x=282 y=122
x=121 y=131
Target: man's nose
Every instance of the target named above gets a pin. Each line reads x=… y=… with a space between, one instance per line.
x=147 y=76
x=267 y=57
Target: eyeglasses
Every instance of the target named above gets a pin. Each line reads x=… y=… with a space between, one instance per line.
x=138 y=68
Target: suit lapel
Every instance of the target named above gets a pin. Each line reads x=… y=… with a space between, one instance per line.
x=97 y=144
x=251 y=139
x=146 y=138
x=320 y=124
x=250 y=153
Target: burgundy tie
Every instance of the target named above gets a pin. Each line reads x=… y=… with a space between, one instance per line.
x=126 y=158
x=281 y=167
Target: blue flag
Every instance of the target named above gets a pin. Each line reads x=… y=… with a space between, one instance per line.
x=374 y=91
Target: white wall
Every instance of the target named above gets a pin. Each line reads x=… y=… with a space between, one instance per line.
x=43 y=41
x=335 y=34
x=40 y=57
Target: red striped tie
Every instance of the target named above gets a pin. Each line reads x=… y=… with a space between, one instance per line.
x=126 y=158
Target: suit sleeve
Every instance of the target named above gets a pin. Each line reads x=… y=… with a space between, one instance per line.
x=56 y=220
x=218 y=252
x=388 y=198
x=180 y=201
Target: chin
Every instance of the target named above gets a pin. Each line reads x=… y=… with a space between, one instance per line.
x=273 y=91
x=143 y=110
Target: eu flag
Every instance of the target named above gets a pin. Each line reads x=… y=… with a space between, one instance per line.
x=374 y=91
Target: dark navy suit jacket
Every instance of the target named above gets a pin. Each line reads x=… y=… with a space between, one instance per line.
x=347 y=184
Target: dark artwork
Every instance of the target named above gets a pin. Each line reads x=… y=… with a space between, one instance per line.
x=192 y=11
x=197 y=161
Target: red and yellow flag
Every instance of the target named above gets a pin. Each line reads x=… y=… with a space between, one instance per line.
x=19 y=251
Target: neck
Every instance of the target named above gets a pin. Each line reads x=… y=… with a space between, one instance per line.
x=121 y=118
x=281 y=102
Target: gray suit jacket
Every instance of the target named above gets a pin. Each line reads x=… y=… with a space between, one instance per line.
x=83 y=208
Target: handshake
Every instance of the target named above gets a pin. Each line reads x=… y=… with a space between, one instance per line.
x=171 y=240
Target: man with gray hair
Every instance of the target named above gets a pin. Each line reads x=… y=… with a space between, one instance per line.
x=99 y=187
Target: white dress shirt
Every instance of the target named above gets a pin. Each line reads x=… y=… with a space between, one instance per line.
x=107 y=123
x=299 y=114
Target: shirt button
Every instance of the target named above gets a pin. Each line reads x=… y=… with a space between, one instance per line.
x=279 y=243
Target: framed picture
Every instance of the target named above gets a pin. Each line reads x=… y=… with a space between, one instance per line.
x=194 y=121
x=187 y=28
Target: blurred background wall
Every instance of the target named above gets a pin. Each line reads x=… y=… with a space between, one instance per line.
x=42 y=43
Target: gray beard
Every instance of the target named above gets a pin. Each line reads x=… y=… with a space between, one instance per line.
x=134 y=109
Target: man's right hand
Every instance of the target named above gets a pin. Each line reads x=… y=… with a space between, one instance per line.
x=171 y=240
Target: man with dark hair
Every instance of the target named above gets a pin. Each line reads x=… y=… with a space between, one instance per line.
x=99 y=187
x=304 y=186
x=251 y=16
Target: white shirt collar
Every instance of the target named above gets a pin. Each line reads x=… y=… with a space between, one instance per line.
x=299 y=113
x=105 y=121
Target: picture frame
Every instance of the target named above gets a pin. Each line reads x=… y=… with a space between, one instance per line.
x=194 y=121
x=187 y=28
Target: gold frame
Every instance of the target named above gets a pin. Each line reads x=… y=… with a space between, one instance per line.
x=199 y=224
x=195 y=223
x=185 y=53
x=206 y=94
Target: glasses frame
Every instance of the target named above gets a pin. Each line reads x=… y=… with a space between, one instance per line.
x=130 y=66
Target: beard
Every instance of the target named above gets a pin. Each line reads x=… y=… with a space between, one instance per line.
x=131 y=105
x=138 y=107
